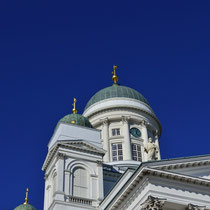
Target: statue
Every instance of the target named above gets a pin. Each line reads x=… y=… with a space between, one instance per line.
x=151 y=149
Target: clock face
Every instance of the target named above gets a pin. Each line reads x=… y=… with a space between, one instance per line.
x=135 y=132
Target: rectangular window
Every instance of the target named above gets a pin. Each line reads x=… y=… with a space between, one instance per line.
x=117 y=153
x=115 y=132
x=136 y=152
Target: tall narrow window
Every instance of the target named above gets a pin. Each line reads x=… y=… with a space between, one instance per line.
x=136 y=152
x=80 y=182
x=117 y=153
x=115 y=132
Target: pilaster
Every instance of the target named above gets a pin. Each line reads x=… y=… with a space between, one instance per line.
x=144 y=131
x=106 y=157
x=59 y=190
x=158 y=147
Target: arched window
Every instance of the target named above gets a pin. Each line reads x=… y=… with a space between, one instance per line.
x=80 y=182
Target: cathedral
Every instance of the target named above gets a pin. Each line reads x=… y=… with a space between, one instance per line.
x=109 y=158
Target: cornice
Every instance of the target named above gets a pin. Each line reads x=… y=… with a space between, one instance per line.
x=126 y=109
x=171 y=166
x=146 y=172
x=73 y=145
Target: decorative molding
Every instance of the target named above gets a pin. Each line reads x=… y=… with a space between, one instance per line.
x=136 y=193
x=74 y=199
x=60 y=156
x=153 y=203
x=144 y=123
x=135 y=110
x=99 y=163
x=195 y=207
x=105 y=121
x=48 y=187
x=183 y=165
x=46 y=176
x=79 y=145
x=125 y=119
x=142 y=173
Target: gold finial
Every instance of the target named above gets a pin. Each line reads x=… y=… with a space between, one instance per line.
x=26 y=198
x=74 y=106
x=114 y=77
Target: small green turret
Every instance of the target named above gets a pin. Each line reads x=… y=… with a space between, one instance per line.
x=25 y=205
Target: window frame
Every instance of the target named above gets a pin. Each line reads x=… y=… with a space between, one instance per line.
x=117 y=149
x=136 y=149
x=115 y=131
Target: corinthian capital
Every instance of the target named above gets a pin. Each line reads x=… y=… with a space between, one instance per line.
x=125 y=119
x=144 y=123
x=153 y=203
x=60 y=156
x=195 y=207
x=105 y=121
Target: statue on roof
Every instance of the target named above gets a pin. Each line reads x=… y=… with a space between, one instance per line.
x=151 y=149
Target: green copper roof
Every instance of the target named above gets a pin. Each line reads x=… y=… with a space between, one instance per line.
x=25 y=207
x=76 y=119
x=116 y=91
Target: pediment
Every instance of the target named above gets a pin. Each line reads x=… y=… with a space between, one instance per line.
x=81 y=145
x=78 y=145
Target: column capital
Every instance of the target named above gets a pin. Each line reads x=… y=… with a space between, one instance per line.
x=195 y=207
x=99 y=163
x=156 y=134
x=153 y=203
x=144 y=123
x=125 y=119
x=105 y=121
x=60 y=156
x=46 y=176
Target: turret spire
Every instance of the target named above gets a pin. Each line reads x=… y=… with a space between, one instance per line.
x=26 y=198
x=74 y=106
x=114 y=77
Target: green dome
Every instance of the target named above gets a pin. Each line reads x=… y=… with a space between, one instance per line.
x=25 y=207
x=116 y=91
x=76 y=119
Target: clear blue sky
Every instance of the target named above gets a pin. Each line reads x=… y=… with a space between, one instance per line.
x=53 y=51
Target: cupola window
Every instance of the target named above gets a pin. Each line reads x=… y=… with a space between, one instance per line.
x=115 y=132
x=117 y=152
x=136 y=152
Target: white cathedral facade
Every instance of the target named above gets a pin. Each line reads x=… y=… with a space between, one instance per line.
x=109 y=158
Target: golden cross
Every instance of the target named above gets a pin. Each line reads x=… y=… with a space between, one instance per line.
x=26 y=198
x=74 y=106
x=114 y=77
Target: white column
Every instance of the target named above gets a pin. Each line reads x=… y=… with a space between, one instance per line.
x=67 y=182
x=144 y=131
x=106 y=157
x=127 y=141
x=158 y=147
x=100 y=190
x=145 y=138
x=59 y=192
